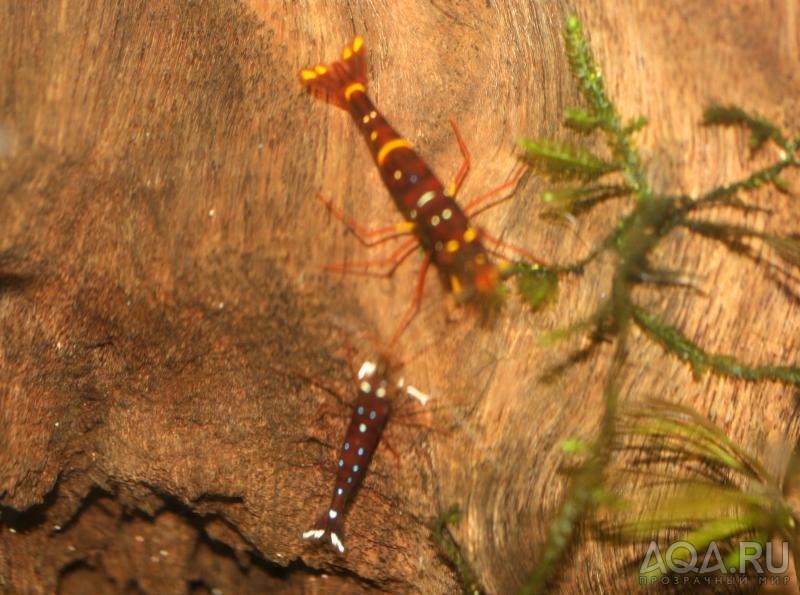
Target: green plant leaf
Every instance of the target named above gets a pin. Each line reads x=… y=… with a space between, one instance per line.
x=580 y=120
x=761 y=129
x=538 y=286
x=562 y=161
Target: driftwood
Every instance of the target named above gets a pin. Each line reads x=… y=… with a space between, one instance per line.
x=164 y=306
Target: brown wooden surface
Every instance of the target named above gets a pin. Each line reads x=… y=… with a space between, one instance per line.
x=158 y=167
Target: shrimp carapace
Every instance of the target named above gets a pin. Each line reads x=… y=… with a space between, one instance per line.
x=431 y=213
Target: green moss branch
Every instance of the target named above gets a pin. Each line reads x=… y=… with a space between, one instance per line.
x=767 y=175
x=675 y=342
x=633 y=240
x=590 y=80
x=586 y=489
x=449 y=549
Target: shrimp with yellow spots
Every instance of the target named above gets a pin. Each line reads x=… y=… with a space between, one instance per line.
x=431 y=213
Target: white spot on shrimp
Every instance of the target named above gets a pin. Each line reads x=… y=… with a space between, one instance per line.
x=435 y=220
x=332 y=514
x=365 y=387
x=381 y=392
x=360 y=410
x=339 y=491
x=355 y=468
x=367 y=369
x=337 y=543
x=418 y=394
x=361 y=452
x=372 y=415
x=341 y=462
x=426 y=198
x=446 y=214
x=362 y=428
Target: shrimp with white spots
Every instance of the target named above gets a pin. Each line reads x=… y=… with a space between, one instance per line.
x=371 y=412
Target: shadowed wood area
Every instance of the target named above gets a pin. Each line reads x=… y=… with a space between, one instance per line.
x=162 y=347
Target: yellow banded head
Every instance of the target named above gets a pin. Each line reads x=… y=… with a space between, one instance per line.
x=396 y=143
x=352 y=88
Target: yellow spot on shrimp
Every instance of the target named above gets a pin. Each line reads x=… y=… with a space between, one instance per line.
x=308 y=75
x=358 y=43
x=374 y=135
x=398 y=143
x=451 y=246
x=405 y=227
x=346 y=53
x=352 y=88
x=455 y=284
x=398 y=174
x=470 y=235
x=320 y=69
